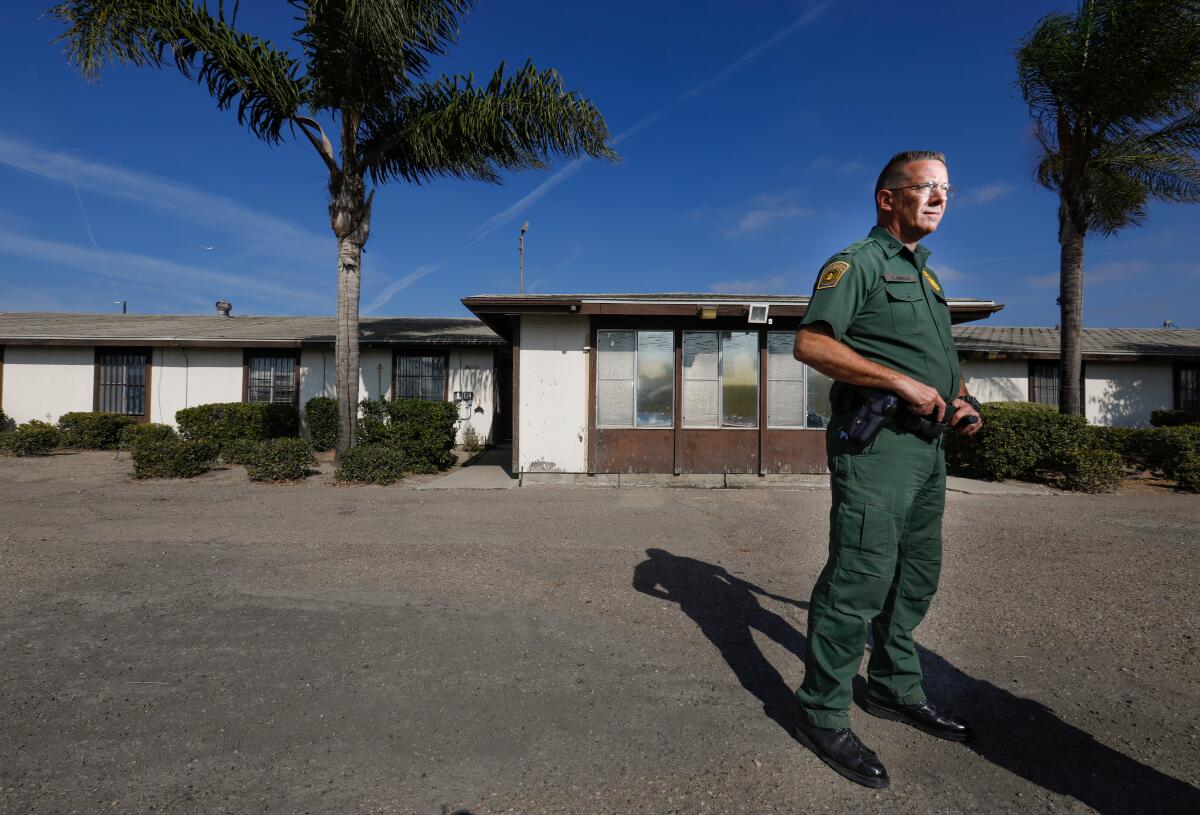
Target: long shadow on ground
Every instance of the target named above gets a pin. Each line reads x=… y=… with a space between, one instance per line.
x=1021 y=735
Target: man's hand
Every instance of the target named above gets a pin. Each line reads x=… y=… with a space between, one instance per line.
x=922 y=399
x=962 y=411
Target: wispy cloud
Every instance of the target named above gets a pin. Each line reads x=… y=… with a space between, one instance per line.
x=257 y=230
x=572 y=167
x=949 y=274
x=774 y=284
x=757 y=220
x=151 y=272
x=985 y=194
x=576 y=254
x=400 y=285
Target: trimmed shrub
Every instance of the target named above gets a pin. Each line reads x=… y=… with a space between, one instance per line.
x=241 y=451
x=1018 y=440
x=1187 y=473
x=1119 y=440
x=320 y=414
x=135 y=434
x=371 y=464
x=1174 y=418
x=1089 y=470
x=1165 y=449
x=33 y=438
x=280 y=460
x=423 y=431
x=93 y=431
x=222 y=423
x=172 y=458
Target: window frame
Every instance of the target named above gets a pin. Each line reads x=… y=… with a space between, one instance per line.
x=393 y=392
x=1177 y=384
x=274 y=352
x=148 y=353
x=758 y=380
x=636 y=354
x=1033 y=363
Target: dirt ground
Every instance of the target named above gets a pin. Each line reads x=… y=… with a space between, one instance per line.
x=220 y=646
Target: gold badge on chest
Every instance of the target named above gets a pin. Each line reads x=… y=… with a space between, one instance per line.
x=932 y=282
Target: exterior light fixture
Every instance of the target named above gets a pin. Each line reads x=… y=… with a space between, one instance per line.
x=708 y=312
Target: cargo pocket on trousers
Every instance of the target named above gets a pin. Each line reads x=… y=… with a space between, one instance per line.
x=865 y=566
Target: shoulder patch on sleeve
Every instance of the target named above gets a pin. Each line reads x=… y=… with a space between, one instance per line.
x=832 y=274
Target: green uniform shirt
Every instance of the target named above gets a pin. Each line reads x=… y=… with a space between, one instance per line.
x=885 y=303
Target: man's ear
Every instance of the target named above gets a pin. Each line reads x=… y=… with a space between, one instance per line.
x=883 y=200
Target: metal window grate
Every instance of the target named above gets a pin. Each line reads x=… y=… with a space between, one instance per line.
x=1189 y=388
x=421 y=377
x=1045 y=383
x=271 y=378
x=122 y=385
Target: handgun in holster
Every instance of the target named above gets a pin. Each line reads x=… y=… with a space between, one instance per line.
x=879 y=406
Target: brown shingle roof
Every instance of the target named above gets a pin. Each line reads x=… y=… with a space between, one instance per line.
x=1100 y=341
x=90 y=329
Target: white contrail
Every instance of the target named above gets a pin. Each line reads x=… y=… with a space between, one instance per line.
x=87 y=224
x=401 y=284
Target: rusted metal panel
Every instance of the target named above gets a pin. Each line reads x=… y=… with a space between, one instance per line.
x=794 y=451
x=642 y=450
x=718 y=451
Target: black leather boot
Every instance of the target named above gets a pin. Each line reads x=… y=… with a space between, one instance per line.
x=842 y=750
x=925 y=717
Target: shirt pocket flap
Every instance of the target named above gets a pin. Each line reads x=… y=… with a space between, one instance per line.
x=909 y=292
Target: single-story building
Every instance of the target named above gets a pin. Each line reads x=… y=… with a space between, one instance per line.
x=150 y=366
x=664 y=383
x=1127 y=372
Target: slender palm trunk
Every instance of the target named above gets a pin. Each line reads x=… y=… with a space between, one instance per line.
x=350 y=219
x=1070 y=300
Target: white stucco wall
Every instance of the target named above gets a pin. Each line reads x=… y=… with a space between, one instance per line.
x=1123 y=394
x=186 y=377
x=375 y=369
x=997 y=380
x=474 y=370
x=553 y=393
x=44 y=382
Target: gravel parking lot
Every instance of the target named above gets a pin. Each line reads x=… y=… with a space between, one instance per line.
x=220 y=646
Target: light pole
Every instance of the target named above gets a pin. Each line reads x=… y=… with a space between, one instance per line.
x=521 y=252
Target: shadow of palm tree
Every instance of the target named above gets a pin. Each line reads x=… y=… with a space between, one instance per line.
x=1021 y=735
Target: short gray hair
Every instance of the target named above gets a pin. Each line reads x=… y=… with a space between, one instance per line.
x=894 y=172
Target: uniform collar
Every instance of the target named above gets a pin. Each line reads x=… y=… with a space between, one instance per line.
x=891 y=245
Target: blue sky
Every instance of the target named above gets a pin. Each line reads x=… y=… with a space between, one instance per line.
x=750 y=134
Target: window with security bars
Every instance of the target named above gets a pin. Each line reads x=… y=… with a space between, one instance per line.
x=121 y=382
x=420 y=377
x=797 y=395
x=1043 y=378
x=271 y=378
x=1187 y=387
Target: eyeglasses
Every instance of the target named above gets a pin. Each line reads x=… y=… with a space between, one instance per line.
x=926 y=189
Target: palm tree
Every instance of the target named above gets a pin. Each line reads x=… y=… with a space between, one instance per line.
x=1114 y=90
x=362 y=66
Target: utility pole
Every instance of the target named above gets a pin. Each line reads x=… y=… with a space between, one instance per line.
x=124 y=305
x=521 y=252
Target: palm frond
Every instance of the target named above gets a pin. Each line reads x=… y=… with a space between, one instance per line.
x=367 y=53
x=454 y=128
x=239 y=70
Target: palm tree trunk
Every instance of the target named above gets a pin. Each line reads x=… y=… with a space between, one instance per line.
x=350 y=217
x=1070 y=300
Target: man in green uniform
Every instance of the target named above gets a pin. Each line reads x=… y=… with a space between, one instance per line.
x=878 y=319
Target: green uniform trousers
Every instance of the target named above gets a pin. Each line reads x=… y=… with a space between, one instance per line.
x=885 y=556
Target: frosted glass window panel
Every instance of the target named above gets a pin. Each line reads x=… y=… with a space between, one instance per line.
x=655 y=379
x=739 y=378
x=701 y=383
x=819 y=410
x=785 y=382
x=616 y=351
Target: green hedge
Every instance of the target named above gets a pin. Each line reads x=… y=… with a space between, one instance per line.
x=280 y=460
x=240 y=451
x=320 y=414
x=1174 y=418
x=172 y=458
x=33 y=438
x=422 y=431
x=1091 y=470
x=93 y=431
x=4 y=422
x=136 y=434
x=371 y=464
x=1018 y=440
x=1166 y=449
x=222 y=423
x=1187 y=472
